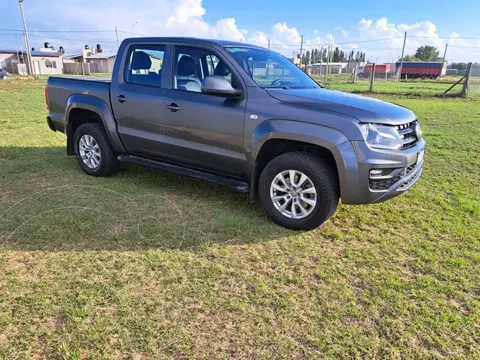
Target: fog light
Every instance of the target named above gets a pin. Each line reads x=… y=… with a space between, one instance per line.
x=375 y=173
x=384 y=173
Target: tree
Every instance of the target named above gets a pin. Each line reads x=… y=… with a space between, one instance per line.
x=460 y=66
x=427 y=53
x=360 y=56
x=410 y=58
x=306 y=58
x=351 y=56
x=336 y=55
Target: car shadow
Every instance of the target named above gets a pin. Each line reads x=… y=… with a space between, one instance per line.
x=49 y=204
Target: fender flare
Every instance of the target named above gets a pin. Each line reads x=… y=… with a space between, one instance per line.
x=309 y=133
x=99 y=107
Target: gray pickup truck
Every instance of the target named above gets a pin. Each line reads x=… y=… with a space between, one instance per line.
x=240 y=116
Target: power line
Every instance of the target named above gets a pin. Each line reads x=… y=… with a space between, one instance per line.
x=70 y=39
x=444 y=37
x=464 y=47
x=61 y=31
x=129 y=33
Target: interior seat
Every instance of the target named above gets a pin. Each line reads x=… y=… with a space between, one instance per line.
x=141 y=61
x=185 y=78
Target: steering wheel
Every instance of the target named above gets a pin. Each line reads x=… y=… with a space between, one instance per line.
x=276 y=81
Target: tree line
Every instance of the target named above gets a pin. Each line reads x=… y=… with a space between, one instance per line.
x=423 y=53
x=338 y=55
x=462 y=66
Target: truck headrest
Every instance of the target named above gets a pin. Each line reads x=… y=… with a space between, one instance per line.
x=185 y=66
x=141 y=61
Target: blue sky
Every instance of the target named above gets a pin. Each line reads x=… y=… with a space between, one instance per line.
x=325 y=15
x=360 y=24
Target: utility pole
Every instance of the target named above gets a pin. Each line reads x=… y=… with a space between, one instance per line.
x=466 y=82
x=445 y=53
x=269 y=44
x=328 y=64
x=403 y=54
x=372 y=77
x=27 y=43
x=301 y=50
x=116 y=33
x=330 y=56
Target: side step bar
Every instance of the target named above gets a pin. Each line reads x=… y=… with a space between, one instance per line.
x=231 y=183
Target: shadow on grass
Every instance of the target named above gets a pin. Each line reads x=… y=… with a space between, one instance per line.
x=49 y=204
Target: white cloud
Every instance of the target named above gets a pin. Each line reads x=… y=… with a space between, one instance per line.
x=186 y=18
x=418 y=34
x=286 y=35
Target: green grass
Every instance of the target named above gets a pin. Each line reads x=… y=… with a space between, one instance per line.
x=150 y=265
x=415 y=87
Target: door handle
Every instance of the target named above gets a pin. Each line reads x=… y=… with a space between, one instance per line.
x=121 y=98
x=173 y=107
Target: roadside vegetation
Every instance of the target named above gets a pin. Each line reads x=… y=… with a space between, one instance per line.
x=150 y=265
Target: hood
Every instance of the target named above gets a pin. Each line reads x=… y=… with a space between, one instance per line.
x=363 y=108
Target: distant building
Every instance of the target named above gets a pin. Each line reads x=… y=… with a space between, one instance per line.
x=101 y=62
x=45 y=61
x=335 y=68
x=381 y=70
x=295 y=60
x=94 y=60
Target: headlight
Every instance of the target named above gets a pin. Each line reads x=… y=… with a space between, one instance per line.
x=381 y=136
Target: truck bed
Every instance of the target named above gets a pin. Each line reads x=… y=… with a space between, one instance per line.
x=59 y=89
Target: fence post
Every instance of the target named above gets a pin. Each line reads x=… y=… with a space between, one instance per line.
x=372 y=77
x=355 y=73
x=466 y=82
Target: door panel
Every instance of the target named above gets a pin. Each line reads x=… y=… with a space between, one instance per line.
x=138 y=101
x=207 y=131
x=203 y=130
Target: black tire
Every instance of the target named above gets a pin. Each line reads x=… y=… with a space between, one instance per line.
x=108 y=160
x=324 y=179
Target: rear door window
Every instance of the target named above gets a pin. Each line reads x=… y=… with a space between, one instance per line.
x=144 y=65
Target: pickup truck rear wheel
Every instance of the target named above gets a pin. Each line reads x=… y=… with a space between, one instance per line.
x=298 y=190
x=93 y=150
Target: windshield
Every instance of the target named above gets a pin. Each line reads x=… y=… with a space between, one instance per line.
x=270 y=69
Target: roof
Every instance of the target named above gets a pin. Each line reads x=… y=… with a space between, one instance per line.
x=103 y=55
x=34 y=53
x=46 y=53
x=73 y=55
x=193 y=40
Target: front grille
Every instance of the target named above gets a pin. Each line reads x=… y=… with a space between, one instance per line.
x=408 y=134
x=385 y=184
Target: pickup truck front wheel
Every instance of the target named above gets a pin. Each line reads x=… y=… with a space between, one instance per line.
x=298 y=191
x=93 y=150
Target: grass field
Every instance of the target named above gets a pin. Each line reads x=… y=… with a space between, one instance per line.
x=150 y=265
x=415 y=87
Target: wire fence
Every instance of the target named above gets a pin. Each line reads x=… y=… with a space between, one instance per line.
x=386 y=79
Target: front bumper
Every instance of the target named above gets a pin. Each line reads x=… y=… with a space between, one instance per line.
x=356 y=159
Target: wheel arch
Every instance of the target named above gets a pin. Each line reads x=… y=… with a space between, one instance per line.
x=274 y=138
x=82 y=109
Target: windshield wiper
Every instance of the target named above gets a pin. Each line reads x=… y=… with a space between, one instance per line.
x=277 y=87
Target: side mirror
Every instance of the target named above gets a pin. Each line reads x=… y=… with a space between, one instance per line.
x=218 y=85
